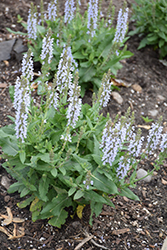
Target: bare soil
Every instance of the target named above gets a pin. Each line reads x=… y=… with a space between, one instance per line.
x=131 y=225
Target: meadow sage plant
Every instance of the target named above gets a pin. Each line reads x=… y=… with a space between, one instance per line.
x=96 y=46
x=63 y=153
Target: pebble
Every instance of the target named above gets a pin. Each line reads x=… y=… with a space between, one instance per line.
x=160 y=98
x=153 y=112
x=141 y=173
x=5 y=182
x=117 y=97
x=164 y=247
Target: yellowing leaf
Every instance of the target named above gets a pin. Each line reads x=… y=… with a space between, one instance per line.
x=34 y=205
x=79 y=210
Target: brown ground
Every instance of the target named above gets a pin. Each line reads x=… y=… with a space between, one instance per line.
x=132 y=225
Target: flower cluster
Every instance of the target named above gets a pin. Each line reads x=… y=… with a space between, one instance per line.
x=64 y=75
x=121 y=26
x=47 y=48
x=52 y=10
x=123 y=167
x=74 y=107
x=21 y=104
x=69 y=11
x=105 y=90
x=27 y=66
x=87 y=182
x=32 y=23
x=92 y=17
x=154 y=137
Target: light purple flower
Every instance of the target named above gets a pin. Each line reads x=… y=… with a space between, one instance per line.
x=32 y=24
x=105 y=90
x=153 y=138
x=163 y=144
x=52 y=10
x=74 y=107
x=47 y=49
x=123 y=167
x=21 y=104
x=121 y=26
x=64 y=75
x=69 y=11
x=27 y=66
x=92 y=17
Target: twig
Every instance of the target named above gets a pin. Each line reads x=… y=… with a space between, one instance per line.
x=94 y=242
x=83 y=242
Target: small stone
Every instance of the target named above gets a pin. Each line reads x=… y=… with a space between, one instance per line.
x=137 y=87
x=5 y=182
x=141 y=173
x=160 y=98
x=7 y=198
x=117 y=97
x=5 y=49
x=164 y=247
x=153 y=112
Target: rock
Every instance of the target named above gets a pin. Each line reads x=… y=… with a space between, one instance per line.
x=160 y=98
x=7 y=198
x=18 y=49
x=141 y=173
x=117 y=97
x=164 y=247
x=153 y=112
x=5 y=49
x=137 y=87
x=5 y=182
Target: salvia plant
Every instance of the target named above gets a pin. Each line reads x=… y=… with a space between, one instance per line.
x=150 y=18
x=94 y=44
x=63 y=153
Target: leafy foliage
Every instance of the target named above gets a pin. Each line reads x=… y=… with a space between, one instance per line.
x=150 y=20
x=94 y=55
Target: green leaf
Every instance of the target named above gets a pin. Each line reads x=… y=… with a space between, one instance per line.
x=14 y=187
x=54 y=172
x=104 y=184
x=24 y=192
x=8 y=144
x=89 y=122
x=16 y=32
x=43 y=189
x=93 y=196
x=71 y=191
x=97 y=159
x=26 y=202
x=87 y=73
x=78 y=195
x=22 y=156
x=78 y=55
x=59 y=220
x=143 y=43
x=129 y=194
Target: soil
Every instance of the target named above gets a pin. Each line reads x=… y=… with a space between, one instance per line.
x=131 y=225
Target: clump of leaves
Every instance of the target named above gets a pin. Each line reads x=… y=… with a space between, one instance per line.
x=92 y=38
x=63 y=153
x=151 y=24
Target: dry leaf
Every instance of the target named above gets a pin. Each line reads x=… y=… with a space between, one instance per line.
x=120 y=231
x=144 y=126
x=137 y=88
x=119 y=82
x=9 y=219
x=164 y=181
x=3 y=230
x=18 y=220
x=6 y=63
x=3 y=85
x=15 y=235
